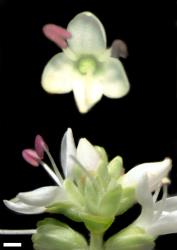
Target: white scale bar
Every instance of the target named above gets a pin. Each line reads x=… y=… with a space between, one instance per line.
x=12 y=244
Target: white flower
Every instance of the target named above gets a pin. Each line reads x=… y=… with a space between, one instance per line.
x=157 y=217
x=155 y=171
x=36 y=201
x=86 y=65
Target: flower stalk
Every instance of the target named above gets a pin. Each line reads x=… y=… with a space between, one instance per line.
x=96 y=241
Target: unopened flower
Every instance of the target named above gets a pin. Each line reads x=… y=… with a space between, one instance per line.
x=55 y=235
x=86 y=65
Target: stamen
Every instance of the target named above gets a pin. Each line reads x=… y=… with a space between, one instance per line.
x=51 y=173
x=55 y=168
x=17 y=232
x=156 y=194
x=40 y=145
x=30 y=156
x=165 y=182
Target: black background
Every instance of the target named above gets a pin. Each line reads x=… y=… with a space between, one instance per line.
x=140 y=127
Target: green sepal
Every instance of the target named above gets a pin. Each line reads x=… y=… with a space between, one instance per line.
x=97 y=224
x=73 y=214
x=69 y=211
x=130 y=238
x=73 y=193
x=102 y=177
x=58 y=207
x=110 y=201
x=55 y=235
x=102 y=152
x=127 y=200
x=91 y=194
x=115 y=167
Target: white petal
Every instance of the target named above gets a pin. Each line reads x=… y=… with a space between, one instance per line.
x=144 y=197
x=113 y=78
x=68 y=149
x=167 y=224
x=39 y=197
x=88 y=34
x=23 y=208
x=143 y=193
x=87 y=155
x=87 y=92
x=154 y=170
x=58 y=74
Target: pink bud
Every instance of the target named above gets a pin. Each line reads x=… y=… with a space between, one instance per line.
x=56 y=34
x=31 y=157
x=40 y=146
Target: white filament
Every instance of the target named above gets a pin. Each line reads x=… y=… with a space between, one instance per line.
x=51 y=173
x=54 y=166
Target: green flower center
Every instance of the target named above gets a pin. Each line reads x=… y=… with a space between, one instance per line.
x=87 y=65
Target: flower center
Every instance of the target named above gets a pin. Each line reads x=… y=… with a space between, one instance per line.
x=87 y=65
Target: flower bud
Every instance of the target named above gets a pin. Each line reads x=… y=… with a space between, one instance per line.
x=130 y=238
x=52 y=234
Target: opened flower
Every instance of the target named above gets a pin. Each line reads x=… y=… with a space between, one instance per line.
x=86 y=65
x=157 y=217
x=37 y=201
x=155 y=172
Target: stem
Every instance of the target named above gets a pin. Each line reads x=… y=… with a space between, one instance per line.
x=96 y=241
x=16 y=232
